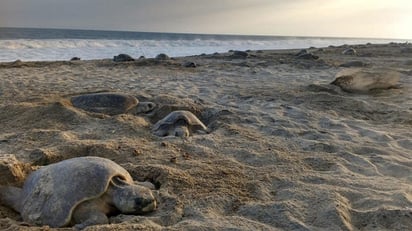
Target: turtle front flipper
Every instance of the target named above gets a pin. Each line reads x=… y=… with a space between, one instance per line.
x=11 y=196
x=94 y=218
x=90 y=213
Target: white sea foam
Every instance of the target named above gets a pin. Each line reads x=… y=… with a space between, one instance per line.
x=64 y=49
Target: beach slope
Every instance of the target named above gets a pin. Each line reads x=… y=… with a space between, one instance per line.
x=286 y=149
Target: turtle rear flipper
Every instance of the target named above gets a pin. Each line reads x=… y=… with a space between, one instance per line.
x=10 y=196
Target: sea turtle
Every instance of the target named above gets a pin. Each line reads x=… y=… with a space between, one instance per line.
x=239 y=54
x=308 y=56
x=355 y=63
x=178 y=123
x=80 y=191
x=364 y=80
x=111 y=103
x=162 y=56
x=301 y=52
x=122 y=58
x=189 y=64
x=349 y=51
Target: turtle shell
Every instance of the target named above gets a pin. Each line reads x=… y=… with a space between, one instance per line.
x=172 y=118
x=364 y=80
x=51 y=193
x=107 y=103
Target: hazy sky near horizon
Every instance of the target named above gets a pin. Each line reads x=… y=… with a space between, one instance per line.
x=341 y=18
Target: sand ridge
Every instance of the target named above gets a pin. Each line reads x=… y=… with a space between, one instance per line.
x=287 y=150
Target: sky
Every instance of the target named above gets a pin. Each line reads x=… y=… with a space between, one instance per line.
x=330 y=18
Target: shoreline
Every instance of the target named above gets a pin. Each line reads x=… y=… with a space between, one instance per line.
x=285 y=50
x=403 y=48
x=90 y=49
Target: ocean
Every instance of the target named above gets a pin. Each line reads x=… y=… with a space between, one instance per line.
x=32 y=44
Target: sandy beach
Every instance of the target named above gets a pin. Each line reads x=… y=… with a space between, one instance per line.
x=286 y=150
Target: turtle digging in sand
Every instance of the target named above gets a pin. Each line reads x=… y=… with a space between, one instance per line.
x=364 y=80
x=81 y=191
x=178 y=123
x=111 y=103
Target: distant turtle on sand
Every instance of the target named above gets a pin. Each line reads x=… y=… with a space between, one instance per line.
x=111 y=103
x=189 y=64
x=80 y=191
x=162 y=56
x=305 y=54
x=178 y=123
x=239 y=54
x=302 y=52
x=355 y=63
x=349 y=51
x=122 y=58
x=308 y=56
x=364 y=80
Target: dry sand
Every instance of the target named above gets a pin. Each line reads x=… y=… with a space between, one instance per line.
x=287 y=150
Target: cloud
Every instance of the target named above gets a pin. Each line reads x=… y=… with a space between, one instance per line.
x=372 y=18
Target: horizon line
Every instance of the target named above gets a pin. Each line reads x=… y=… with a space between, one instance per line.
x=205 y=34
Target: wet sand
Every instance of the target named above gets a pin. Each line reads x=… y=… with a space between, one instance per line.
x=286 y=151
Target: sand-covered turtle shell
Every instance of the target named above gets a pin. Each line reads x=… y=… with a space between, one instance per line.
x=107 y=102
x=365 y=79
x=51 y=193
x=192 y=122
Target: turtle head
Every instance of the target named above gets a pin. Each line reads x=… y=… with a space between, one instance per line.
x=180 y=128
x=181 y=131
x=343 y=80
x=143 y=107
x=130 y=198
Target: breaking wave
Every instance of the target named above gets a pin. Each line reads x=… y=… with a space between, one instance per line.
x=27 y=49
